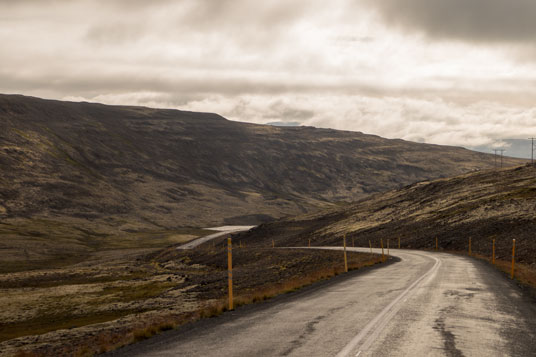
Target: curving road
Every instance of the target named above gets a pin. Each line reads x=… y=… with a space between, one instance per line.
x=224 y=230
x=426 y=304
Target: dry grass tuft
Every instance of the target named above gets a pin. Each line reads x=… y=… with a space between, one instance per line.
x=272 y=290
x=523 y=273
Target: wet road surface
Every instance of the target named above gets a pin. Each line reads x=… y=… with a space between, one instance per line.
x=426 y=304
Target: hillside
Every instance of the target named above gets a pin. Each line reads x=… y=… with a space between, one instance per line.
x=135 y=167
x=77 y=178
x=493 y=204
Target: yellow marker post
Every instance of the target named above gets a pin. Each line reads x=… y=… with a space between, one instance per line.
x=493 y=253
x=398 y=242
x=513 y=256
x=469 y=245
x=273 y=244
x=388 y=248
x=309 y=243
x=436 y=244
x=383 y=256
x=370 y=245
x=345 y=259
x=230 y=271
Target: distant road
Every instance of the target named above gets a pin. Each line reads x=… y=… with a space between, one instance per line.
x=223 y=230
x=427 y=304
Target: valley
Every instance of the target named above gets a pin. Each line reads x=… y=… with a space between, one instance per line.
x=96 y=199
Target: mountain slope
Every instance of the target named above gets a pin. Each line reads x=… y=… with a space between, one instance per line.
x=493 y=204
x=136 y=168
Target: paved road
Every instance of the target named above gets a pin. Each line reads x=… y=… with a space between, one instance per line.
x=427 y=304
x=223 y=230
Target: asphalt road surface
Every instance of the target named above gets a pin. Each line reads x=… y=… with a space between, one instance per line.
x=426 y=304
x=221 y=231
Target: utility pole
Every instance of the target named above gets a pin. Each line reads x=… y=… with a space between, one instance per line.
x=495 y=158
x=532 y=151
x=502 y=150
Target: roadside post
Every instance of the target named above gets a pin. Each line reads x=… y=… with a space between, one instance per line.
x=381 y=243
x=309 y=243
x=345 y=258
x=387 y=247
x=230 y=271
x=469 y=246
x=273 y=244
x=436 y=244
x=513 y=257
x=493 y=253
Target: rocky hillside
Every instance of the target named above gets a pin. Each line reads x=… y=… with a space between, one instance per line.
x=493 y=204
x=135 y=168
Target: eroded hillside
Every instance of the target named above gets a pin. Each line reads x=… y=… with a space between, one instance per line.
x=495 y=204
x=135 y=167
x=77 y=178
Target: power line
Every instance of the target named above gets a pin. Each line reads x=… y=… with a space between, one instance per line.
x=501 y=151
x=532 y=151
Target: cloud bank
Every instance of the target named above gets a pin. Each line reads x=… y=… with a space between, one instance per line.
x=400 y=69
x=509 y=21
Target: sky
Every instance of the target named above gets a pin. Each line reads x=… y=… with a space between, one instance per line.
x=454 y=72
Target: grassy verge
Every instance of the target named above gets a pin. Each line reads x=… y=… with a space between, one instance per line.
x=524 y=274
x=216 y=308
x=146 y=327
x=47 y=323
x=52 y=263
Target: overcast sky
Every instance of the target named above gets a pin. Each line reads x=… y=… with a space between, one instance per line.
x=457 y=72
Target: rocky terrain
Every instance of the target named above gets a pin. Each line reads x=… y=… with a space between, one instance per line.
x=492 y=204
x=76 y=178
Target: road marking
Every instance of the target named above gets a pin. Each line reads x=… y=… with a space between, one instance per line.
x=370 y=332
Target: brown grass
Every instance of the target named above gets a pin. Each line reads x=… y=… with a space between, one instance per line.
x=523 y=273
x=113 y=339
x=26 y=354
x=47 y=323
x=271 y=290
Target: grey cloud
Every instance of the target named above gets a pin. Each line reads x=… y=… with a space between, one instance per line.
x=237 y=13
x=114 y=33
x=308 y=61
x=77 y=82
x=469 y=20
x=281 y=110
